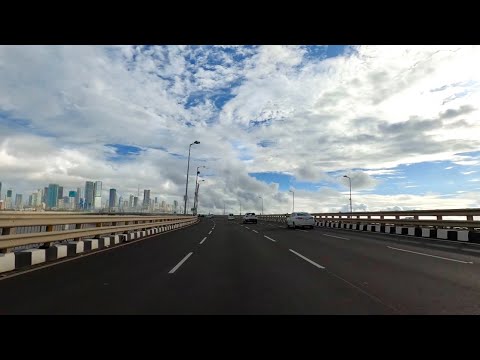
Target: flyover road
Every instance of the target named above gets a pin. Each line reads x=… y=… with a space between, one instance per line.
x=225 y=267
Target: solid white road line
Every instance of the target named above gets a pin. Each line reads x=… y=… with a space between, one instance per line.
x=201 y=242
x=246 y=227
x=255 y=231
x=307 y=259
x=439 y=257
x=338 y=237
x=303 y=230
x=210 y=232
x=269 y=238
x=180 y=263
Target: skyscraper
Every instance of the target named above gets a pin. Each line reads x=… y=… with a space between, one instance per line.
x=45 y=195
x=135 y=201
x=18 y=201
x=60 y=192
x=72 y=196
x=8 y=200
x=52 y=198
x=146 y=198
x=130 y=202
x=98 y=195
x=78 y=196
x=113 y=198
x=0 y=190
x=89 y=194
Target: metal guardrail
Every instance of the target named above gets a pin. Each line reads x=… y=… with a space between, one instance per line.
x=85 y=226
x=410 y=218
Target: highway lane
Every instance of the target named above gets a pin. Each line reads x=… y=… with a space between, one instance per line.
x=413 y=277
x=204 y=269
x=111 y=282
x=225 y=267
x=239 y=271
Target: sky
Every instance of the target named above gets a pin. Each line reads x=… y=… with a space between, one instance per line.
x=401 y=121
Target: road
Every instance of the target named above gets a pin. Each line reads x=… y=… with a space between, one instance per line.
x=225 y=267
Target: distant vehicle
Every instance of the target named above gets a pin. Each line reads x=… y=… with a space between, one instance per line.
x=210 y=216
x=250 y=218
x=300 y=219
x=231 y=217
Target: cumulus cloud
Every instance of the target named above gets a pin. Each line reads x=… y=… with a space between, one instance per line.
x=254 y=109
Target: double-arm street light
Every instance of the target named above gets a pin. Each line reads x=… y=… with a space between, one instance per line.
x=196 y=187
x=350 y=180
x=262 y=203
x=188 y=169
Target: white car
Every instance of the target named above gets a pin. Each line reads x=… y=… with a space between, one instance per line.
x=231 y=217
x=250 y=218
x=300 y=219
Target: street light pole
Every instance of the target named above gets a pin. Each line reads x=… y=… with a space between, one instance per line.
x=196 y=189
x=188 y=169
x=350 y=180
x=240 y=207
x=262 y=203
x=293 y=192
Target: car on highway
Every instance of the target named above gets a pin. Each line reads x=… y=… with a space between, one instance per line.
x=209 y=216
x=231 y=217
x=300 y=219
x=250 y=218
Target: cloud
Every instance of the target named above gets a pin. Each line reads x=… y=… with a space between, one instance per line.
x=74 y=113
x=451 y=113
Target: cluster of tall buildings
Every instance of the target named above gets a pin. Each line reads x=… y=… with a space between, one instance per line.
x=54 y=197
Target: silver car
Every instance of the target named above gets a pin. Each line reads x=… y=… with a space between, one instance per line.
x=300 y=219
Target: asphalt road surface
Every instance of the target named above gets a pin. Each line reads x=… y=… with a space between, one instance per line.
x=225 y=267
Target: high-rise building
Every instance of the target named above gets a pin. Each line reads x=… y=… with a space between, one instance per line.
x=130 y=202
x=72 y=195
x=0 y=190
x=8 y=200
x=89 y=194
x=52 y=199
x=112 y=199
x=78 y=197
x=45 y=195
x=120 y=202
x=98 y=195
x=156 y=199
x=146 y=199
x=60 y=192
x=135 y=202
x=175 y=205
x=18 y=201
x=30 y=200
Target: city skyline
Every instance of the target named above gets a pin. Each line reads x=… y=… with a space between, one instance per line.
x=52 y=198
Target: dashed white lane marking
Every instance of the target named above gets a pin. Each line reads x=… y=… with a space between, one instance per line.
x=303 y=230
x=269 y=238
x=201 y=242
x=307 y=259
x=438 y=257
x=210 y=232
x=180 y=263
x=338 y=237
x=255 y=231
x=246 y=227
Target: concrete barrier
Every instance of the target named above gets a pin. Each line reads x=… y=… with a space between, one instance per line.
x=7 y=262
